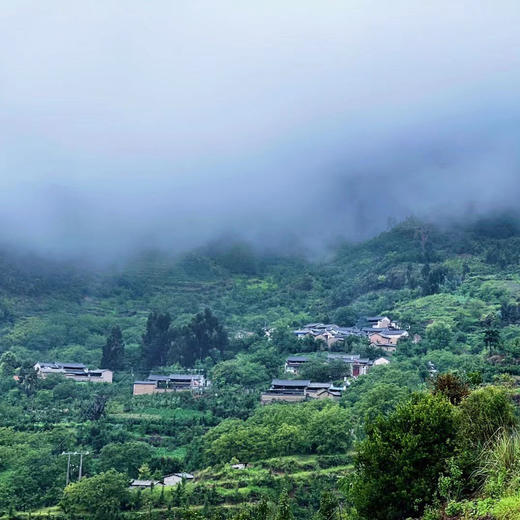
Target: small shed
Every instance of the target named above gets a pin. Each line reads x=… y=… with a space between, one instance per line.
x=177 y=478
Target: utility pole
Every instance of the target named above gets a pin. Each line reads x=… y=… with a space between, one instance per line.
x=69 y=454
x=68 y=469
x=81 y=463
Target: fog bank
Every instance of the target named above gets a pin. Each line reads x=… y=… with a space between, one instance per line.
x=133 y=124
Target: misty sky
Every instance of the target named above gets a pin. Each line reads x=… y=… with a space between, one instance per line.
x=130 y=124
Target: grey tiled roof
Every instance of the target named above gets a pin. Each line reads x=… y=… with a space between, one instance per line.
x=290 y=382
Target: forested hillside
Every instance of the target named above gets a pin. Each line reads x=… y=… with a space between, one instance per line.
x=444 y=402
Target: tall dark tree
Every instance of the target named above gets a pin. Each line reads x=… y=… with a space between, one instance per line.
x=433 y=279
x=492 y=339
x=157 y=340
x=94 y=410
x=28 y=378
x=114 y=350
x=203 y=334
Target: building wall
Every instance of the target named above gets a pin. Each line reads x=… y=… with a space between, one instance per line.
x=172 y=481
x=384 y=323
x=144 y=389
x=315 y=394
x=325 y=395
x=333 y=340
x=46 y=372
x=381 y=340
x=140 y=389
x=387 y=348
x=107 y=376
x=378 y=339
x=270 y=398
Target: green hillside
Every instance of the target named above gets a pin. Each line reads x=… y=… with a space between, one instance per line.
x=456 y=290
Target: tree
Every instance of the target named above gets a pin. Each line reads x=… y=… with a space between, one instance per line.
x=492 y=339
x=28 y=378
x=399 y=463
x=483 y=415
x=194 y=341
x=284 y=511
x=103 y=496
x=433 y=279
x=113 y=350
x=8 y=364
x=439 y=335
x=156 y=342
x=317 y=370
x=285 y=341
x=329 y=505
x=451 y=386
x=345 y=316
x=376 y=399
x=240 y=371
x=485 y=412
x=261 y=510
x=95 y=409
x=329 y=430
x=144 y=471
x=126 y=457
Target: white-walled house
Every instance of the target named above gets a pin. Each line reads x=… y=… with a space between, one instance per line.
x=176 y=478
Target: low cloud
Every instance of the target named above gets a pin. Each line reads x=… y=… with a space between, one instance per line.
x=166 y=124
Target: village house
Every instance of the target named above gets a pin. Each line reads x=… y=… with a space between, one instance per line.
x=379 y=322
x=381 y=331
x=176 y=478
x=387 y=339
x=287 y=390
x=332 y=334
x=167 y=481
x=329 y=393
x=296 y=390
x=323 y=391
x=294 y=363
x=358 y=366
x=172 y=383
x=328 y=333
x=74 y=371
x=316 y=388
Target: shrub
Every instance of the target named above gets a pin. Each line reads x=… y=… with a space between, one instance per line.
x=399 y=463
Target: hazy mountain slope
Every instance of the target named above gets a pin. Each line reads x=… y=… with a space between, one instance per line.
x=416 y=271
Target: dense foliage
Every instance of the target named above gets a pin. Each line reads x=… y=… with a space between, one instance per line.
x=227 y=311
